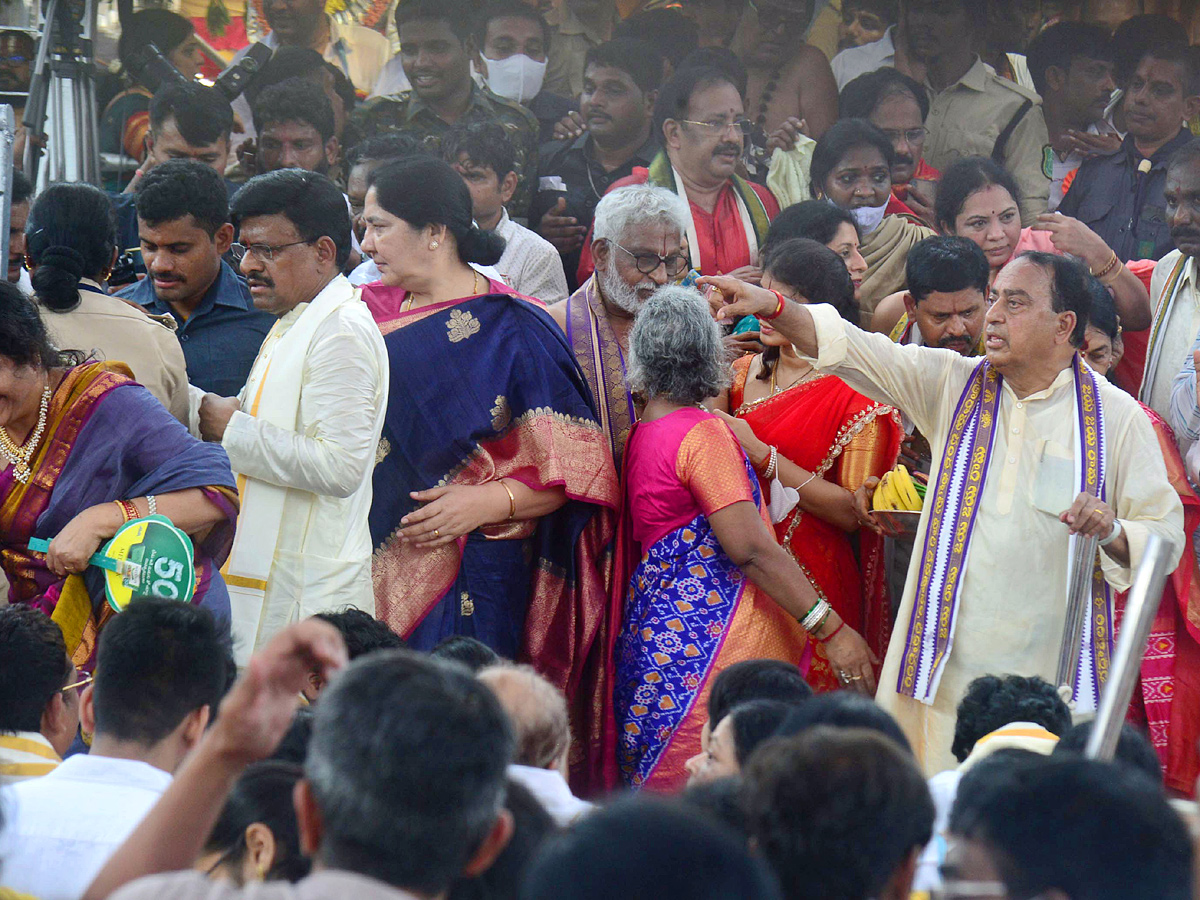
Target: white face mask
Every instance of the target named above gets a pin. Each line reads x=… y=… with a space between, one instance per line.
x=868 y=217
x=517 y=77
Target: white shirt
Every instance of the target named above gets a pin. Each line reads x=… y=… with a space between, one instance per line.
x=1176 y=334
x=60 y=829
x=530 y=263
x=552 y=791
x=1013 y=601
x=855 y=61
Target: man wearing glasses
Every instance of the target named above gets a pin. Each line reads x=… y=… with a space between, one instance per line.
x=302 y=434
x=704 y=129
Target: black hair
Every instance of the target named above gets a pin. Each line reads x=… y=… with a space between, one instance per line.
x=1121 y=835
x=72 y=232
x=977 y=14
x=885 y=9
x=310 y=201
x=262 y=794
x=509 y=9
x=1187 y=155
x=293 y=747
x=1182 y=55
x=486 y=145
x=300 y=62
x=458 y=14
x=840 y=139
x=994 y=772
x=407 y=767
x=676 y=94
x=22 y=187
x=158 y=661
x=961 y=179
x=861 y=96
x=1133 y=748
x=753 y=722
x=385 y=147
x=1103 y=313
x=1068 y=289
x=164 y=29
x=723 y=60
x=1059 y=46
x=813 y=219
x=638 y=59
x=422 y=191
x=361 y=632
x=1138 y=35
x=202 y=115
x=667 y=32
x=295 y=100
x=532 y=826
x=847 y=803
x=946 y=264
x=813 y=271
x=991 y=702
x=755 y=679
x=33 y=667
x=843 y=709
x=689 y=855
x=183 y=187
x=23 y=335
x=721 y=801
x=466 y=651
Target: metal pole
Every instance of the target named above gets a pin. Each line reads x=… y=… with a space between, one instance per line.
x=1122 y=678
x=1079 y=596
x=8 y=134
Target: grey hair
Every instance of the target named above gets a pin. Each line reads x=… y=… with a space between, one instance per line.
x=675 y=349
x=637 y=204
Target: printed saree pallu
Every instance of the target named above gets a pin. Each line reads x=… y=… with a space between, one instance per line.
x=106 y=439
x=484 y=389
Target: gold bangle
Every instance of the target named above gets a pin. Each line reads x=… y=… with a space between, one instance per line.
x=1112 y=264
x=512 y=501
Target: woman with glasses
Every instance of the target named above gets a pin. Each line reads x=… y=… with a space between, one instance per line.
x=821 y=440
x=84 y=449
x=71 y=245
x=494 y=492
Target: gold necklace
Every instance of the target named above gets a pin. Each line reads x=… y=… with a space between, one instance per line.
x=19 y=456
x=804 y=376
x=407 y=304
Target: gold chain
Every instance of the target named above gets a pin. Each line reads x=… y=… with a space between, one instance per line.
x=20 y=455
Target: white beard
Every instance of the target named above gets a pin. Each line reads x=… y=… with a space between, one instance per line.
x=619 y=293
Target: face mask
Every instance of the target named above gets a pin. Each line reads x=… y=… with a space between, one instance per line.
x=517 y=77
x=868 y=217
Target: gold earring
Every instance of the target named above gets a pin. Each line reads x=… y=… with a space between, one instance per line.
x=433 y=245
x=260 y=871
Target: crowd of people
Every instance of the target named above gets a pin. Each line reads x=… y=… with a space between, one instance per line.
x=532 y=399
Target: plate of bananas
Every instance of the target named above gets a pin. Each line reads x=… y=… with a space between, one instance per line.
x=898 y=499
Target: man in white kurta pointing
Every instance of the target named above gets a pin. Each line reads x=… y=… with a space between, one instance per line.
x=302 y=434
x=1011 y=492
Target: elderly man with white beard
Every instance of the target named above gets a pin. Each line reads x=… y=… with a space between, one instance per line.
x=639 y=244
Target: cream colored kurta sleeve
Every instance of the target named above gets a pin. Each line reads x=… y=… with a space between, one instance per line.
x=343 y=389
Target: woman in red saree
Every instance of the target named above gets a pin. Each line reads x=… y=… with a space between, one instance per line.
x=828 y=439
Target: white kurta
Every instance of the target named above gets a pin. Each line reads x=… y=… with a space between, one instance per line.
x=1176 y=334
x=1013 y=603
x=322 y=551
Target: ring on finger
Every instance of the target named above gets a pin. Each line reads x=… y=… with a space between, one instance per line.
x=436 y=533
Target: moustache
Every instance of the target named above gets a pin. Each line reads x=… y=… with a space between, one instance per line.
x=727 y=147
x=902 y=159
x=1185 y=234
x=954 y=342
x=253 y=281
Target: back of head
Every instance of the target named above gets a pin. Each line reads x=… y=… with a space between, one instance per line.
x=992 y=701
x=158 y=661
x=720 y=800
x=814 y=272
x=532 y=827
x=754 y=722
x=755 y=679
x=384 y=148
x=293 y=746
x=164 y=29
x=634 y=205
x=1062 y=42
x=843 y=709
x=202 y=115
x=945 y=264
x=295 y=100
x=675 y=348
x=861 y=96
x=262 y=794
x=668 y=29
x=22 y=188
x=423 y=190
x=486 y=145
x=537 y=711
x=679 y=856
x=310 y=201
x=1090 y=830
x=840 y=139
x=676 y=94
x=637 y=58
x=1136 y=36
x=361 y=631
x=180 y=188
x=1133 y=748
x=72 y=233
x=466 y=651
x=961 y=179
x=33 y=667
x=459 y=15
x=407 y=767
x=837 y=812
x=813 y=219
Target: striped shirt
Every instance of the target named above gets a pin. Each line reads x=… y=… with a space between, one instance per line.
x=25 y=754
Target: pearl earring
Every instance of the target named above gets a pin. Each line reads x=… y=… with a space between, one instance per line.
x=433 y=245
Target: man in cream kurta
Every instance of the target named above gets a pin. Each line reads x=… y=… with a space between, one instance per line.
x=1013 y=599
x=302 y=434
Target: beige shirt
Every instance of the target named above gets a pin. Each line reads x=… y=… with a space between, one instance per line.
x=1177 y=333
x=323 y=885
x=1013 y=602
x=111 y=329
x=966 y=119
x=569 y=43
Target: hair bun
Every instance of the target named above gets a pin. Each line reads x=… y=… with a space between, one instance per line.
x=479 y=246
x=68 y=259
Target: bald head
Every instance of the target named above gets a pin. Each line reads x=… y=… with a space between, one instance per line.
x=538 y=712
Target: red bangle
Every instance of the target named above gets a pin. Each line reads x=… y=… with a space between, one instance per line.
x=128 y=510
x=778 y=309
x=829 y=637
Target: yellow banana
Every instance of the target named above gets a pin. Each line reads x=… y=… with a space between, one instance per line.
x=881 y=499
x=905 y=489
